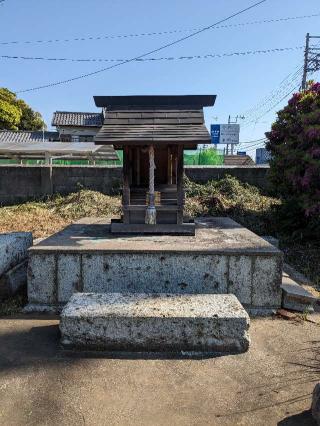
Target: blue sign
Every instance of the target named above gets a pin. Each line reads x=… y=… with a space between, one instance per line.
x=215 y=133
x=241 y=153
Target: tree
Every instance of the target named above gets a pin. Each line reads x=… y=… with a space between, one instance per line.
x=294 y=144
x=16 y=114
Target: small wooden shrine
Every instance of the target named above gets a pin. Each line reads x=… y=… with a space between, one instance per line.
x=153 y=132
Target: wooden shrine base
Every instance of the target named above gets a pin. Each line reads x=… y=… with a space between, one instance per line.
x=118 y=227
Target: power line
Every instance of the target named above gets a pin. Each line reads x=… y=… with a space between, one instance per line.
x=274 y=94
x=255 y=117
x=148 y=34
x=295 y=76
x=171 y=58
x=248 y=146
x=256 y=144
x=292 y=84
x=173 y=43
x=253 y=141
x=276 y=104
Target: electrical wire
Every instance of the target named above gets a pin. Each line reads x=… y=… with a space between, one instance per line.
x=274 y=94
x=173 y=43
x=253 y=141
x=253 y=117
x=171 y=58
x=104 y=37
x=271 y=105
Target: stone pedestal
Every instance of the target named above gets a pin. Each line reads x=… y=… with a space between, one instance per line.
x=222 y=257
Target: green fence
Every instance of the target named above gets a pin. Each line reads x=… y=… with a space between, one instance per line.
x=201 y=157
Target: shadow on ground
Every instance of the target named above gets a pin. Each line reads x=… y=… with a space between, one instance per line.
x=301 y=419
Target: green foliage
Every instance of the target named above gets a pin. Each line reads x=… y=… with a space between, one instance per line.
x=10 y=116
x=16 y=114
x=294 y=143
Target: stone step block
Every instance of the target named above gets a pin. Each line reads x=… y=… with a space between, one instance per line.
x=13 y=249
x=13 y=280
x=155 y=322
x=295 y=297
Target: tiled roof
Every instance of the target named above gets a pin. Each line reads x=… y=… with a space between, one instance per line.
x=153 y=119
x=122 y=127
x=77 y=119
x=27 y=136
x=238 y=160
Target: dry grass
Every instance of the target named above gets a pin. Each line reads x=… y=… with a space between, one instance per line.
x=229 y=197
x=305 y=258
x=45 y=218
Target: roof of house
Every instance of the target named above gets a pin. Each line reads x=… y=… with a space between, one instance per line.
x=153 y=119
x=29 y=142
x=238 y=160
x=39 y=148
x=77 y=119
x=19 y=136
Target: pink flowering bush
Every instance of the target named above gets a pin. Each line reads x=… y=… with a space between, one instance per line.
x=294 y=143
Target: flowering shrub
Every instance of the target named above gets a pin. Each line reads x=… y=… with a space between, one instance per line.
x=294 y=143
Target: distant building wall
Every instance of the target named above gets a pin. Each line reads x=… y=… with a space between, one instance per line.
x=21 y=183
x=262 y=156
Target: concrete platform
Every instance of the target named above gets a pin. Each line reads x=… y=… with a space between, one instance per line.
x=222 y=257
x=155 y=322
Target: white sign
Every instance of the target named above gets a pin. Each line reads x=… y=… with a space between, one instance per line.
x=225 y=133
x=229 y=133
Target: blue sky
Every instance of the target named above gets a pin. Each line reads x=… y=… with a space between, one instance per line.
x=240 y=82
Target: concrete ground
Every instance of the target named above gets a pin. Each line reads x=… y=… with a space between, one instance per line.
x=40 y=384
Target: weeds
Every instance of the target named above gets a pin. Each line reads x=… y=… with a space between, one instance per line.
x=229 y=197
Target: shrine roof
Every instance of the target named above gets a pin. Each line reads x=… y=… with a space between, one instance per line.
x=130 y=120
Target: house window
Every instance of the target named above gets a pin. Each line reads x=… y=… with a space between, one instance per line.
x=65 y=138
x=75 y=138
x=87 y=138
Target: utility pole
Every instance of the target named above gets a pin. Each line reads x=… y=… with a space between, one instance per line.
x=235 y=121
x=311 y=60
x=305 y=66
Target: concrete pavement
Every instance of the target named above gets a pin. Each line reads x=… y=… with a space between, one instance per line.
x=40 y=384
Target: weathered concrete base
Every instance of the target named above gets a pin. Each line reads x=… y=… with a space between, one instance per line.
x=295 y=297
x=222 y=258
x=43 y=309
x=155 y=322
x=13 y=280
x=13 y=249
